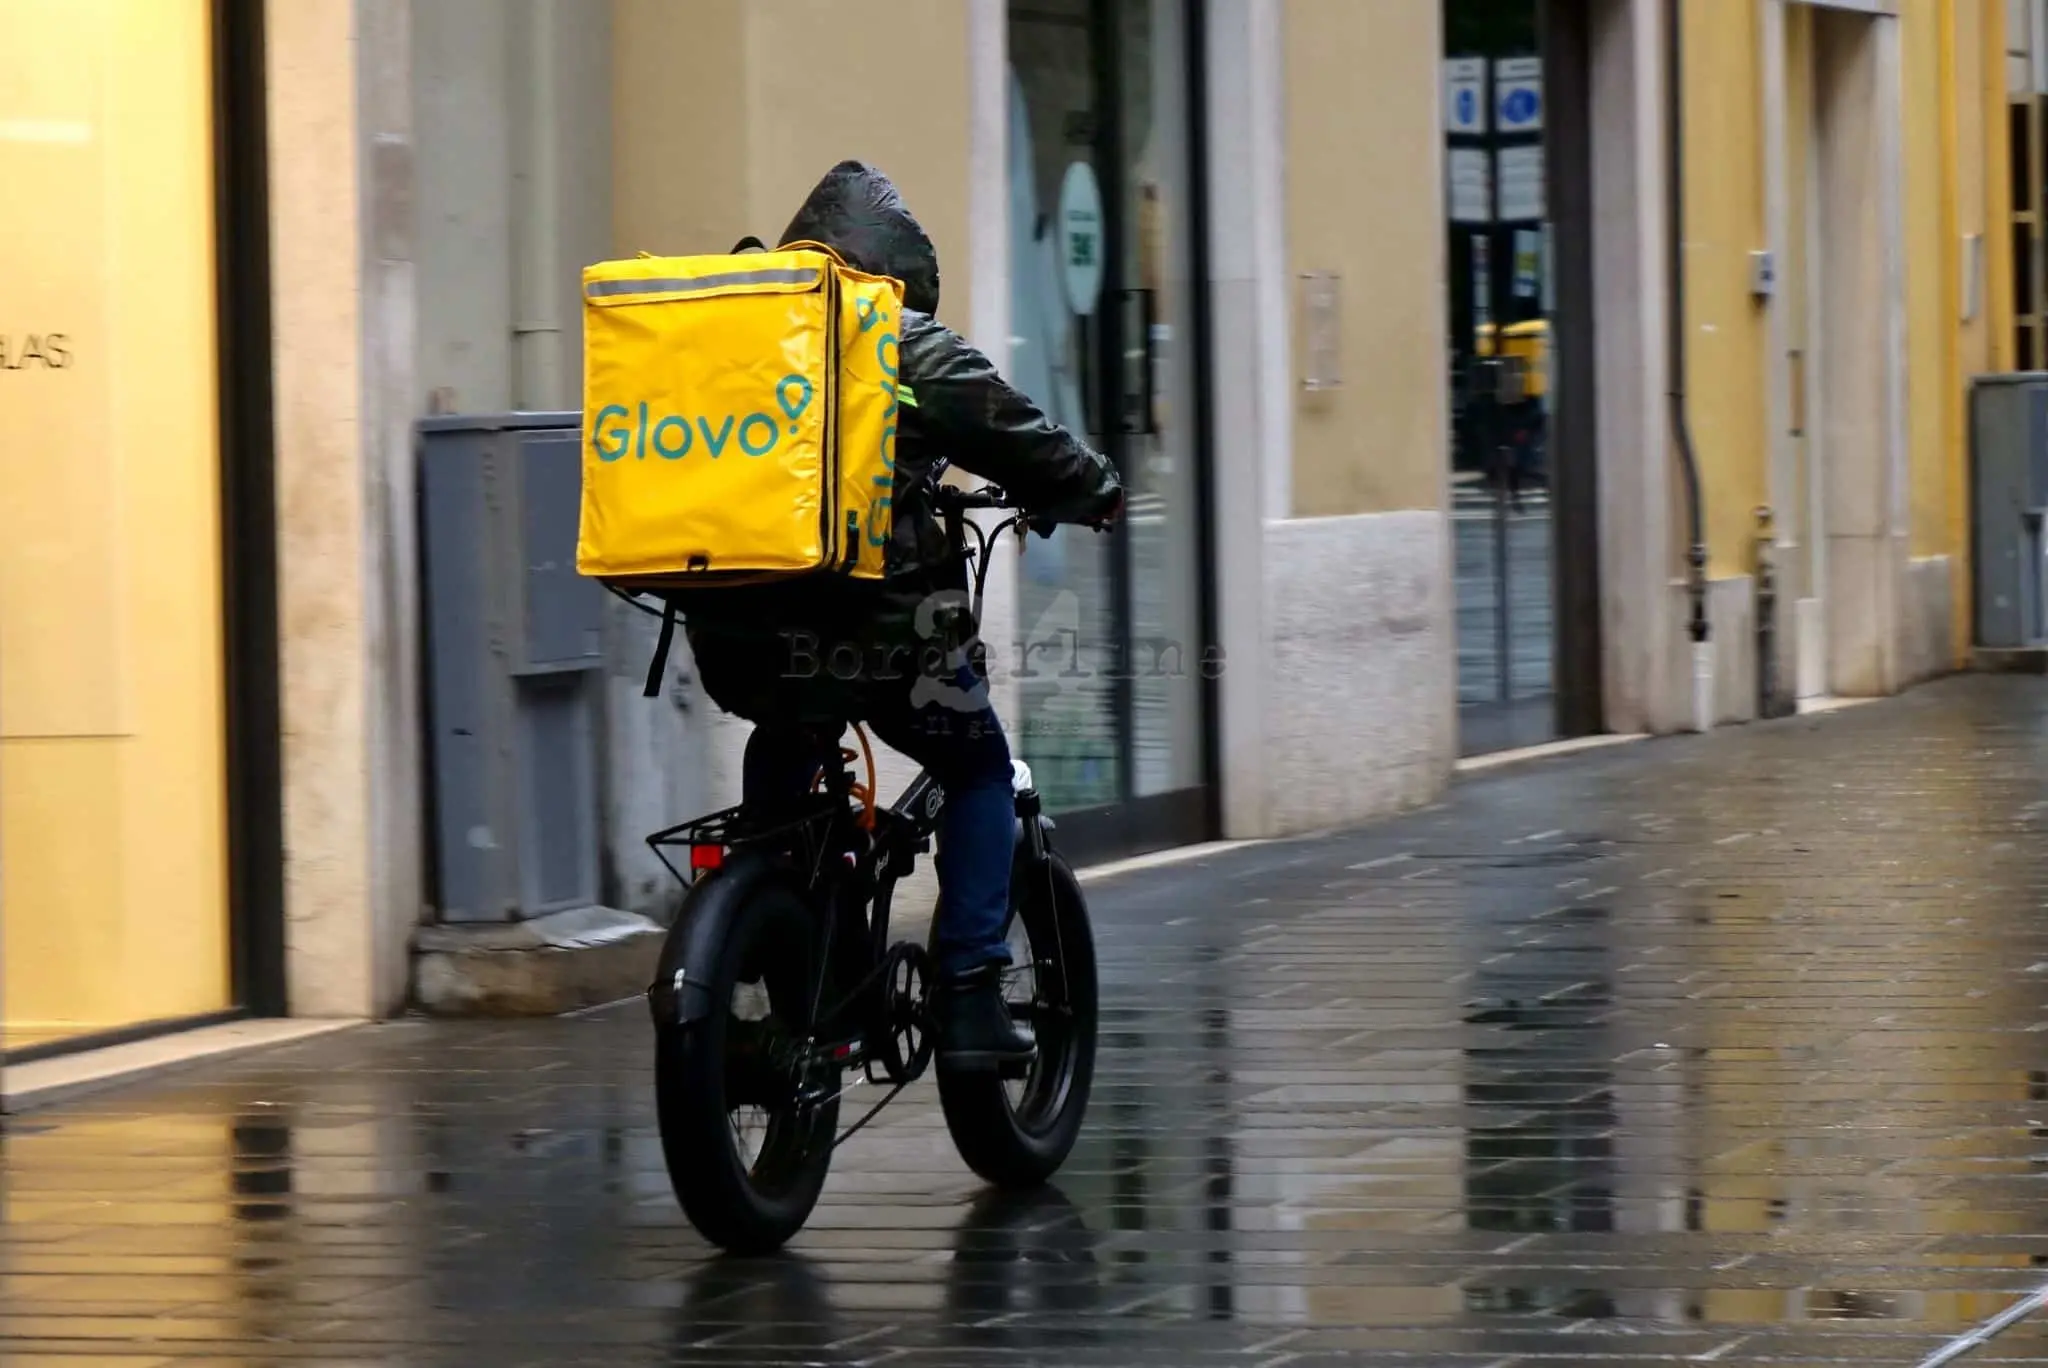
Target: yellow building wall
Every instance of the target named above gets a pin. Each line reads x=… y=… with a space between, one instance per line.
x=1727 y=330
x=1795 y=281
x=1930 y=315
x=1949 y=145
x=709 y=147
x=1364 y=199
x=1998 y=207
x=112 y=822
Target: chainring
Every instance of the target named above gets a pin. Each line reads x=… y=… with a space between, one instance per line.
x=901 y=1047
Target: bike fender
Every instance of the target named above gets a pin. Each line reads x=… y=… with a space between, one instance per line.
x=680 y=993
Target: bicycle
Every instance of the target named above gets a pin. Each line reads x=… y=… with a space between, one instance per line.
x=778 y=990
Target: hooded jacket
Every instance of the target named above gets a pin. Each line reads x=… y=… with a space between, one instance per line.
x=965 y=412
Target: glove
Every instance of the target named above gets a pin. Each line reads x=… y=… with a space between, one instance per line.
x=1102 y=512
x=1112 y=511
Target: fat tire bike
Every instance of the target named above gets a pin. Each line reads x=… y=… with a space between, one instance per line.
x=779 y=993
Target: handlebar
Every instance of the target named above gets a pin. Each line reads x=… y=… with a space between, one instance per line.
x=953 y=504
x=948 y=499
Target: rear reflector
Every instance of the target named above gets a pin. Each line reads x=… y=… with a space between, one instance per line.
x=706 y=856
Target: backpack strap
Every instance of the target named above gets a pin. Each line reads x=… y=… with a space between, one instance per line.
x=658 y=666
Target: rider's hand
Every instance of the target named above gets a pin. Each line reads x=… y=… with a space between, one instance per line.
x=1101 y=513
x=1109 y=517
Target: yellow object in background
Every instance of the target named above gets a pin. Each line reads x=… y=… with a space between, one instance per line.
x=113 y=891
x=1528 y=340
x=739 y=418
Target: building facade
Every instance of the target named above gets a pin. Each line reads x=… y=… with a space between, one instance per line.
x=1377 y=306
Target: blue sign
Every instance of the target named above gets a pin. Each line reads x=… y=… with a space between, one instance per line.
x=1518 y=94
x=1468 y=106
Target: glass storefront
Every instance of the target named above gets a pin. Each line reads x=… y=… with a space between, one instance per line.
x=113 y=791
x=1103 y=336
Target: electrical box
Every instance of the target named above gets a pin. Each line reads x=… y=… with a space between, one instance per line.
x=514 y=665
x=2008 y=498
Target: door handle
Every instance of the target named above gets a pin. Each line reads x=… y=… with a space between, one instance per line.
x=1141 y=363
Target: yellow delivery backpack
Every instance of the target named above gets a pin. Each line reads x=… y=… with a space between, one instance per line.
x=739 y=419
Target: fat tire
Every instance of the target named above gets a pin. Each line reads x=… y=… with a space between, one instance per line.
x=706 y=1167
x=1003 y=1150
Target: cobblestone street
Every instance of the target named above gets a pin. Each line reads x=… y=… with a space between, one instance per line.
x=1729 y=1049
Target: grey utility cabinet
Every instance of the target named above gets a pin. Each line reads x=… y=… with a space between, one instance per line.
x=514 y=655
x=2008 y=496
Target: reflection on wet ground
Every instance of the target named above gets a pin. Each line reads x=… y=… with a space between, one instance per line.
x=1726 y=1050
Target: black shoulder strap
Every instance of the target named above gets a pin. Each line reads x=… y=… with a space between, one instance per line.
x=658 y=666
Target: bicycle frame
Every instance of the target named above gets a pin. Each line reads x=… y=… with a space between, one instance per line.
x=826 y=838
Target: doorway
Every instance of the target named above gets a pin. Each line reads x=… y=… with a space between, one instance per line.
x=1842 y=449
x=1105 y=255
x=1523 y=505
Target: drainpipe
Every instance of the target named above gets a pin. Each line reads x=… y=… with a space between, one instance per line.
x=536 y=213
x=1681 y=421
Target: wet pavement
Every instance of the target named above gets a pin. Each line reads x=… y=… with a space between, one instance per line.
x=1722 y=1050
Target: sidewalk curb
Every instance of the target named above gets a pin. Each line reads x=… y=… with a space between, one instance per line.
x=66 y=1077
x=1549 y=750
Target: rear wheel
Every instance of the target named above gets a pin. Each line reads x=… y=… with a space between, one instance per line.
x=1016 y=1131
x=747 y=1118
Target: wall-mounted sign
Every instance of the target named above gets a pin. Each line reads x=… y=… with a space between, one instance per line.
x=34 y=351
x=1081 y=238
x=1465 y=95
x=1521 y=184
x=1322 y=297
x=1518 y=95
x=1528 y=262
x=1469 y=181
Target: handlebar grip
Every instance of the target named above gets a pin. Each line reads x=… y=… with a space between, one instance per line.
x=946 y=497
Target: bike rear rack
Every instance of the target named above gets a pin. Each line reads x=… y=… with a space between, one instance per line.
x=738 y=828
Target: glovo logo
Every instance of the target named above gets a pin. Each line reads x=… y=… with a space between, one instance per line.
x=886 y=358
x=619 y=432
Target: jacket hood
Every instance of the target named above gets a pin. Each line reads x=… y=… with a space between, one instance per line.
x=857 y=211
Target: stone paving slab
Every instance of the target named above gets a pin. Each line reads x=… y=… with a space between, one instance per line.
x=1724 y=1050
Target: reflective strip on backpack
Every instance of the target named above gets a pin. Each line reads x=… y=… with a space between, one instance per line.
x=793 y=275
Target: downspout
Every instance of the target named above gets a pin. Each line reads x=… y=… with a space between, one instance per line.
x=536 y=216
x=1681 y=420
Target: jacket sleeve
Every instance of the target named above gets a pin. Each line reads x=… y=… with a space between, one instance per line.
x=974 y=417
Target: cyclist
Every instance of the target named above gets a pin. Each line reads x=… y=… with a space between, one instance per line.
x=800 y=660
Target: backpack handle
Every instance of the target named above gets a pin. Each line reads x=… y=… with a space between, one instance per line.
x=806 y=245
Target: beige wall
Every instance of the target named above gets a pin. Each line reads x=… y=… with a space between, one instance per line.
x=341 y=291
x=814 y=82
x=1364 y=199
x=316 y=317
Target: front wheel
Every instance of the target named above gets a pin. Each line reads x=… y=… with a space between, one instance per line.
x=747 y=1119
x=1016 y=1131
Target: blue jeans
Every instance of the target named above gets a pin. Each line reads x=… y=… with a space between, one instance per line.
x=960 y=741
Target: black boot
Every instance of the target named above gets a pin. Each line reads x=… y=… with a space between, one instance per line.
x=975 y=1031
